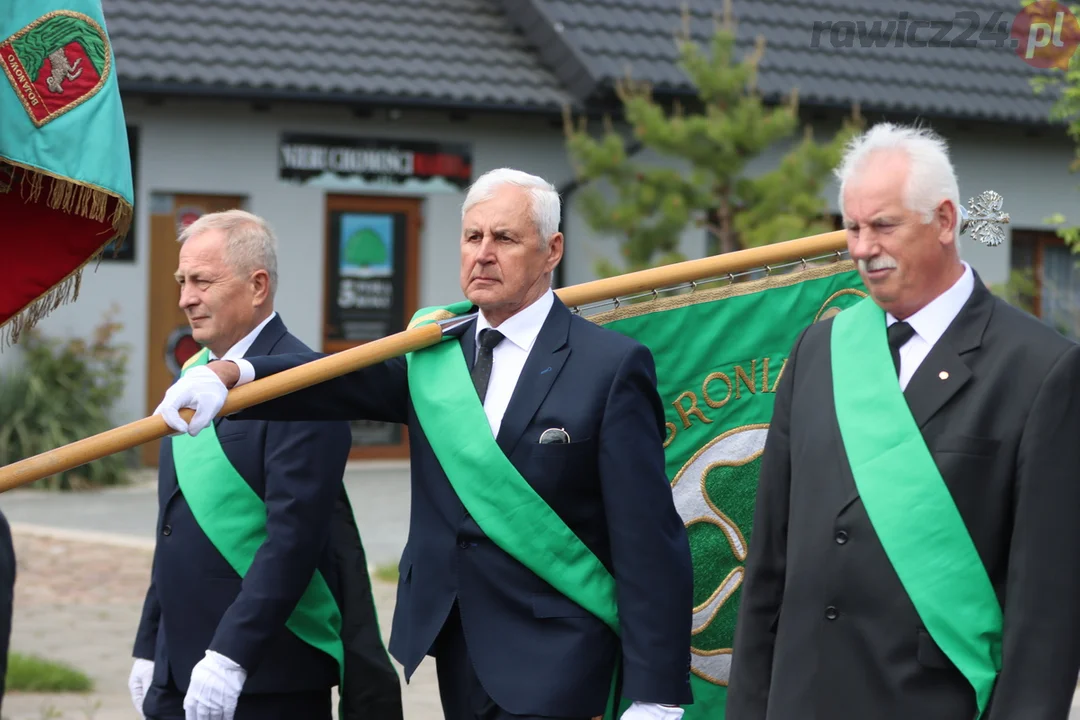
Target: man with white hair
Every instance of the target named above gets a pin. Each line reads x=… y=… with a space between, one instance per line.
x=259 y=601
x=544 y=549
x=915 y=551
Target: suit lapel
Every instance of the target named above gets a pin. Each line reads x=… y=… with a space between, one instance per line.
x=943 y=373
x=263 y=345
x=543 y=365
x=267 y=338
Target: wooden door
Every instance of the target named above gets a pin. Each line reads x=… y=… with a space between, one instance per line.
x=371 y=290
x=169 y=334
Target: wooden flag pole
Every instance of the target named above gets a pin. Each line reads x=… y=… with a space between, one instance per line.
x=152 y=428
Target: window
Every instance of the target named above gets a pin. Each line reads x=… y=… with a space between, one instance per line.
x=1046 y=279
x=126 y=251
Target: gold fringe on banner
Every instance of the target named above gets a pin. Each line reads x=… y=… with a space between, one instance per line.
x=834 y=266
x=72 y=197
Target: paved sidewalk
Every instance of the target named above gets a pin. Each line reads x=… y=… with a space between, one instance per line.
x=83 y=566
x=78 y=601
x=378 y=491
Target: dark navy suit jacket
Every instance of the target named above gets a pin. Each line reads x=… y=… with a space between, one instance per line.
x=196 y=600
x=535 y=651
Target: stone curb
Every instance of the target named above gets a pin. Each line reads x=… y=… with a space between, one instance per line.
x=91 y=536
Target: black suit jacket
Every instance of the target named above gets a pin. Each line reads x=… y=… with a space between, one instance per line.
x=535 y=651
x=196 y=601
x=1003 y=429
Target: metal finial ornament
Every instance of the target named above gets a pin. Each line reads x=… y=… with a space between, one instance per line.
x=985 y=219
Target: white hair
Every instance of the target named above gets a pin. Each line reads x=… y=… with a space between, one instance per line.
x=543 y=196
x=931 y=177
x=250 y=244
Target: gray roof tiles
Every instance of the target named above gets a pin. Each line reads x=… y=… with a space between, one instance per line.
x=541 y=54
x=606 y=38
x=456 y=52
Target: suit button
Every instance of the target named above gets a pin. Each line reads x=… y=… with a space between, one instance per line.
x=831 y=613
x=166 y=530
x=841 y=537
x=463 y=544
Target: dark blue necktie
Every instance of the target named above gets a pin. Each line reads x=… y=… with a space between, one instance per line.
x=481 y=372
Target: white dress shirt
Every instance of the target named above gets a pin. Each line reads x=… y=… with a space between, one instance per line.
x=237 y=351
x=508 y=358
x=930 y=324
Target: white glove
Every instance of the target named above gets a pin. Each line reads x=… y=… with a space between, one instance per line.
x=199 y=388
x=216 y=682
x=142 y=674
x=652 y=711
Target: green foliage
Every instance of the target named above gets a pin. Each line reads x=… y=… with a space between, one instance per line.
x=56 y=33
x=62 y=393
x=1066 y=109
x=731 y=125
x=1020 y=290
x=28 y=673
x=387 y=573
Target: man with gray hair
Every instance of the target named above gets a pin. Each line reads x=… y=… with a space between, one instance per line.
x=545 y=558
x=259 y=590
x=915 y=549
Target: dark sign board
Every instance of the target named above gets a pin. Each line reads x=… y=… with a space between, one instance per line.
x=305 y=157
x=365 y=297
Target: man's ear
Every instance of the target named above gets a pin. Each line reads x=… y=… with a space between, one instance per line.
x=555 y=251
x=260 y=281
x=948 y=217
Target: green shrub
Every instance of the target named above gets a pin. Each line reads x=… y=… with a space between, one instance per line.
x=63 y=392
x=27 y=673
x=387 y=573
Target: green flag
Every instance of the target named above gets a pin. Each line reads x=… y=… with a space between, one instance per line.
x=65 y=172
x=719 y=354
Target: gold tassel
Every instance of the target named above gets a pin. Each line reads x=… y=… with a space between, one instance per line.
x=65 y=292
x=32 y=185
x=71 y=197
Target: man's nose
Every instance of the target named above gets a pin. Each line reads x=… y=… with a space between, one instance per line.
x=187 y=297
x=486 y=253
x=861 y=243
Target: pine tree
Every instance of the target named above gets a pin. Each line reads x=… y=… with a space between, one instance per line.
x=729 y=126
x=1065 y=84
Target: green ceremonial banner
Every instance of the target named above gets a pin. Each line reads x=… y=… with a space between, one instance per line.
x=719 y=354
x=65 y=170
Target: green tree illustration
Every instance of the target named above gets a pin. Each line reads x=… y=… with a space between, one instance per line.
x=365 y=248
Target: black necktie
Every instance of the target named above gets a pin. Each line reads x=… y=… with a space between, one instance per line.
x=899 y=333
x=481 y=372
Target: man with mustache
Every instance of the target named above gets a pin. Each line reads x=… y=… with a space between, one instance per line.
x=545 y=552
x=915 y=548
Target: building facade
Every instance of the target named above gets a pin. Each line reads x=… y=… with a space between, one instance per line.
x=362 y=175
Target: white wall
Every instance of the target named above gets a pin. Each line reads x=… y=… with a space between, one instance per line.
x=229 y=148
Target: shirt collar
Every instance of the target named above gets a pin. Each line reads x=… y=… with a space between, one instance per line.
x=523 y=327
x=238 y=350
x=933 y=319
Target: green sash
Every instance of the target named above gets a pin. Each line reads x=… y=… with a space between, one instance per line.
x=908 y=503
x=499 y=499
x=233 y=517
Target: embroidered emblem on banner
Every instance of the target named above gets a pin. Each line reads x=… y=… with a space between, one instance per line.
x=727 y=467
x=56 y=63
